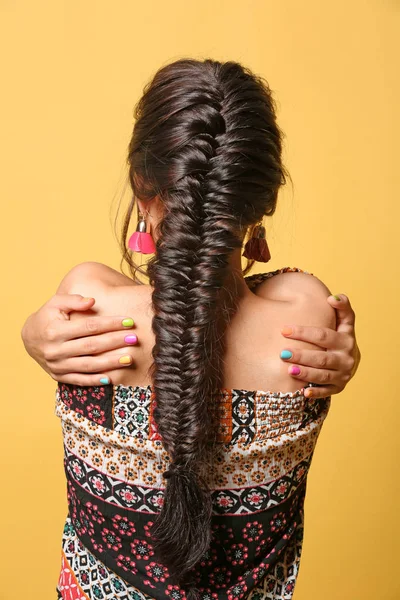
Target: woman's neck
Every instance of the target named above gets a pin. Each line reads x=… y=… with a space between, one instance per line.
x=235 y=282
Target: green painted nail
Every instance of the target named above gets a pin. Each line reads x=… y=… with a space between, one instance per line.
x=104 y=380
x=337 y=297
x=127 y=322
x=286 y=354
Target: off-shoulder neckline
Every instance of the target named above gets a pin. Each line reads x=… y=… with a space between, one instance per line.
x=117 y=387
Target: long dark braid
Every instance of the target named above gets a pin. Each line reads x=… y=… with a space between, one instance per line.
x=206 y=141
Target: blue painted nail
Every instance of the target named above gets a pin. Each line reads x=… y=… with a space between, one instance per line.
x=104 y=380
x=286 y=354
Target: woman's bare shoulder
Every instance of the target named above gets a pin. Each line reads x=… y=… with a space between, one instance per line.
x=306 y=293
x=88 y=277
x=288 y=284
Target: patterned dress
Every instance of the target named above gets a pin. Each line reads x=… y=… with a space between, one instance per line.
x=114 y=461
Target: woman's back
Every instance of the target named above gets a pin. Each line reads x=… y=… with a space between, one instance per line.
x=253 y=337
x=114 y=458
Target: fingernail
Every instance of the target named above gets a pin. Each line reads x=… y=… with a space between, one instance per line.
x=104 y=380
x=125 y=360
x=131 y=339
x=294 y=370
x=86 y=299
x=337 y=297
x=308 y=393
x=287 y=330
x=127 y=322
x=286 y=354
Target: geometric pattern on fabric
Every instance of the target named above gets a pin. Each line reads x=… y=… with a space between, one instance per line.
x=100 y=582
x=68 y=588
x=94 y=403
x=114 y=461
x=96 y=580
x=252 y=500
x=246 y=500
x=278 y=413
x=222 y=409
x=235 y=466
x=280 y=581
x=126 y=547
x=243 y=417
x=132 y=410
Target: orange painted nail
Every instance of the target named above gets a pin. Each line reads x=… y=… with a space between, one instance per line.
x=287 y=330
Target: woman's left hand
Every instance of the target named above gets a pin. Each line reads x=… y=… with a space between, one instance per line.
x=336 y=363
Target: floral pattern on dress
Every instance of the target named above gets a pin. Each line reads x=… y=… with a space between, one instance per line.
x=114 y=460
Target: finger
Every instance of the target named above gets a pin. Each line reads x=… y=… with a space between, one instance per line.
x=345 y=314
x=91 y=325
x=321 y=391
x=82 y=379
x=320 y=336
x=320 y=376
x=70 y=302
x=318 y=359
x=92 y=364
x=95 y=344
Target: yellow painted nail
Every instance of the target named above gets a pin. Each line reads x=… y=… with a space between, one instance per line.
x=125 y=360
x=127 y=322
x=86 y=299
x=308 y=393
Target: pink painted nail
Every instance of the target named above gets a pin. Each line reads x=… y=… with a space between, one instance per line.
x=294 y=370
x=131 y=339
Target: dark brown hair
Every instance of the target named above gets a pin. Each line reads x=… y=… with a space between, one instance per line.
x=206 y=141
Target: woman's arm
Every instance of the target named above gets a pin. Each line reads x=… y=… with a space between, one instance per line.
x=337 y=362
x=82 y=351
x=89 y=344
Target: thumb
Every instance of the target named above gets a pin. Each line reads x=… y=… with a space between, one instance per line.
x=345 y=314
x=70 y=302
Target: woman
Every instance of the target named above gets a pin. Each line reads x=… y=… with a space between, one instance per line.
x=186 y=478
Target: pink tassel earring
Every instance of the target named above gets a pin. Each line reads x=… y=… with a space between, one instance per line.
x=140 y=240
x=256 y=247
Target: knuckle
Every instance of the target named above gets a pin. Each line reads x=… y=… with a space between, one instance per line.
x=85 y=366
x=79 y=380
x=351 y=345
x=351 y=363
x=322 y=360
x=325 y=377
x=49 y=353
x=92 y=325
x=90 y=346
x=320 y=334
x=57 y=370
x=51 y=334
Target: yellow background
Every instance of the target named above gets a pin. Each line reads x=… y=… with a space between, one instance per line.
x=71 y=74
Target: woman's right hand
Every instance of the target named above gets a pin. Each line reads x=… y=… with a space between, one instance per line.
x=80 y=352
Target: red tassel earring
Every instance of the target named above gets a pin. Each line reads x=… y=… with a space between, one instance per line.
x=256 y=247
x=140 y=240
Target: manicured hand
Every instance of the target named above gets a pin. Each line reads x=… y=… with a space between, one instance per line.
x=82 y=351
x=336 y=363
